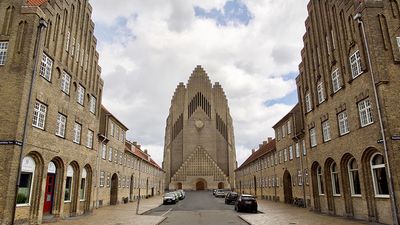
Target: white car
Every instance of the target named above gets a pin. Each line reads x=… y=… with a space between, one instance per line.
x=169 y=198
x=220 y=193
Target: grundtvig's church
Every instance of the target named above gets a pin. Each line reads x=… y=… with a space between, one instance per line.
x=199 y=151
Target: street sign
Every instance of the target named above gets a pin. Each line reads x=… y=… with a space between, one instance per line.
x=396 y=137
x=12 y=142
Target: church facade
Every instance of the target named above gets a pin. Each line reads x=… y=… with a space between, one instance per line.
x=199 y=150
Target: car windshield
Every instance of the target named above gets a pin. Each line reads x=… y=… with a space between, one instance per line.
x=248 y=198
x=169 y=195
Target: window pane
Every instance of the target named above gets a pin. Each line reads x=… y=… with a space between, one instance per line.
x=381 y=181
x=24 y=190
x=67 y=195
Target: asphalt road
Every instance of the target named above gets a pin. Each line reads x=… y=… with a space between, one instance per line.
x=198 y=208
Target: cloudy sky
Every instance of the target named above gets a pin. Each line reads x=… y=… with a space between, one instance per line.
x=252 y=47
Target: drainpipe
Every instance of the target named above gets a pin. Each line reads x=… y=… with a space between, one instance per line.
x=41 y=27
x=393 y=201
x=138 y=201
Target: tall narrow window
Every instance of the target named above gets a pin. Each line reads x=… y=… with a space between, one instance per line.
x=335 y=180
x=110 y=154
x=343 y=123
x=61 y=122
x=112 y=128
x=89 y=143
x=313 y=137
x=103 y=151
x=326 y=131
x=65 y=82
x=297 y=150
x=102 y=179
x=354 y=178
x=92 y=107
x=283 y=130
x=82 y=189
x=77 y=133
x=80 y=98
x=336 y=81
x=77 y=52
x=291 y=152
x=304 y=147
x=379 y=176
x=355 y=64
x=39 y=115
x=289 y=127
x=365 y=110
x=320 y=181
x=285 y=154
x=320 y=92
x=25 y=185
x=308 y=102
x=67 y=40
x=299 y=177
x=68 y=184
x=3 y=52
x=46 y=67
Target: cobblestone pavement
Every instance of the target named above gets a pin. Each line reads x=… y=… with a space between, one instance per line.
x=122 y=214
x=282 y=214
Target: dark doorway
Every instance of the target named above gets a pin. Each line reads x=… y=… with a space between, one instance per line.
x=220 y=185
x=49 y=194
x=179 y=186
x=200 y=186
x=287 y=187
x=114 y=189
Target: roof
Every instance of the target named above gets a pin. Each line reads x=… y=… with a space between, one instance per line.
x=286 y=117
x=141 y=154
x=35 y=2
x=263 y=150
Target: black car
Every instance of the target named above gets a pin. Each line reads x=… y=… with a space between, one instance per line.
x=246 y=203
x=231 y=197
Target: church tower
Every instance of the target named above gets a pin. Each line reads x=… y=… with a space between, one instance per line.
x=199 y=149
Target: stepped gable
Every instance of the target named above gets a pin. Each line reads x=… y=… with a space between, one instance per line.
x=199 y=74
x=199 y=163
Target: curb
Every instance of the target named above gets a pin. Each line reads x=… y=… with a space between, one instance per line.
x=163 y=219
x=244 y=220
x=149 y=210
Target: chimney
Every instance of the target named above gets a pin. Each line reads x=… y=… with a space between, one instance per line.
x=252 y=151
x=145 y=151
x=265 y=142
x=260 y=145
x=269 y=139
x=134 y=143
x=138 y=146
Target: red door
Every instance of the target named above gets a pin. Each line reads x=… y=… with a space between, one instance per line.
x=48 y=196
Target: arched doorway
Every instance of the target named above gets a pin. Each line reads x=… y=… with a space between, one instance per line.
x=179 y=186
x=50 y=188
x=114 y=189
x=220 y=185
x=287 y=187
x=200 y=186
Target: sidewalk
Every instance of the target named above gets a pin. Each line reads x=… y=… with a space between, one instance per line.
x=274 y=213
x=122 y=214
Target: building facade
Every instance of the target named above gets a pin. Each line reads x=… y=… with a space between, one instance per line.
x=48 y=64
x=199 y=151
x=348 y=90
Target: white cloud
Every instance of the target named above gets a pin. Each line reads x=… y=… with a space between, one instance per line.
x=167 y=41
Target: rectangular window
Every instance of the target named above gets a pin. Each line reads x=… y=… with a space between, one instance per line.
x=82 y=189
x=3 y=52
x=285 y=154
x=103 y=151
x=304 y=147
x=110 y=154
x=291 y=152
x=92 y=107
x=108 y=179
x=289 y=127
x=326 y=131
x=283 y=131
x=73 y=47
x=39 y=115
x=299 y=177
x=77 y=52
x=297 y=150
x=65 y=82
x=102 y=179
x=116 y=157
x=68 y=189
x=89 y=139
x=80 y=98
x=77 y=133
x=333 y=39
x=336 y=81
x=308 y=102
x=46 y=67
x=355 y=64
x=67 y=40
x=280 y=157
x=117 y=133
x=365 y=111
x=61 y=122
x=343 y=123
x=278 y=134
x=320 y=92
x=313 y=137
x=112 y=129
x=24 y=189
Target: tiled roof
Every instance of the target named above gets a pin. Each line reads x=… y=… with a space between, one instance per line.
x=35 y=2
x=264 y=149
x=139 y=153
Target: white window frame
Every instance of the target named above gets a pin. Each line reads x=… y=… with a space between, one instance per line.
x=285 y=154
x=39 y=115
x=374 y=179
x=3 y=52
x=80 y=97
x=326 y=131
x=102 y=178
x=320 y=92
x=334 y=175
x=304 y=147
x=103 y=151
x=46 y=67
x=351 y=177
x=313 y=137
x=93 y=103
x=336 y=81
x=82 y=198
x=355 y=64
x=28 y=166
x=308 y=102
x=77 y=133
x=320 y=180
x=343 y=123
x=365 y=112
x=297 y=146
x=61 y=125
x=65 y=82
x=90 y=135
x=289 y=127
x=110 y=154
x=68 y=38
x=300 y=177
x=291 y=152
x=69 y=175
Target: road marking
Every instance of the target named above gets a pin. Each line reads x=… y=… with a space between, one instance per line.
x=169 y=210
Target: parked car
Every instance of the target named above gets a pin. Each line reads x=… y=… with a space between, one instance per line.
x=182 y=193
x=231 y=197
x=169 y=198
x=214 y=191
x=179 y=194
x=246 y=203
x=176 y=195
x=220 y=193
